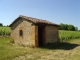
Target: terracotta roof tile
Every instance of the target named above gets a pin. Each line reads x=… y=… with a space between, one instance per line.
x=35 y=20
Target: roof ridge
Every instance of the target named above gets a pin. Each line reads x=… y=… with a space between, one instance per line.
x=34 y=20
x=37 y=20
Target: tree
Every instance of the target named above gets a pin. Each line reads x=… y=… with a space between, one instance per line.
x=76 y=28
x=62 y=26
x=71 y=28
x=67 y=27
x=1 y=24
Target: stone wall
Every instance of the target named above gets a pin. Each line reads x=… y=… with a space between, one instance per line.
x=28 y=38
x=51 y=34
x=30 y=33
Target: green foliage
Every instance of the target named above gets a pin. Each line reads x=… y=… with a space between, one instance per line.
x=67 y=35
x=63 y=27
x=67 y=27
x=4 y=31
x=1 y=24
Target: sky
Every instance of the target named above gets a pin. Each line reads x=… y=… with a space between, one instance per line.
x=56 y=11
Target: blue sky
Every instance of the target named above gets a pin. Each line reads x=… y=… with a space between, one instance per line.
x=56 y=11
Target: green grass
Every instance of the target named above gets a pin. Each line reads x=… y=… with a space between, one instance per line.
x=8 y=50
x=62 y=51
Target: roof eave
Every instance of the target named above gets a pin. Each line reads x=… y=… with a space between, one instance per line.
x=14 y=21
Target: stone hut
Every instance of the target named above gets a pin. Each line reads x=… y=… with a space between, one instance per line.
x=34 y=32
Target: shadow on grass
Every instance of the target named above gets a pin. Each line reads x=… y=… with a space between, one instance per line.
x=64 y=46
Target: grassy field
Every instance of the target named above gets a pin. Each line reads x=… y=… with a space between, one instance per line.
x=7 y=29
x=62 y=51
x=63 y=35
x=67 y=35
x=8 y=50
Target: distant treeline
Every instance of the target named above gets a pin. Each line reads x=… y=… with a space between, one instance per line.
x=2 y=25
x=68 y=27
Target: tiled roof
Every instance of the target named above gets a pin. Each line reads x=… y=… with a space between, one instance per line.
x=34 y=20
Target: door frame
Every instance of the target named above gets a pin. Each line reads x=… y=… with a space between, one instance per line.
x=43 y=36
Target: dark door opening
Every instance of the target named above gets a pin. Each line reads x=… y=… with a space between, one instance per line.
x=40 y=36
